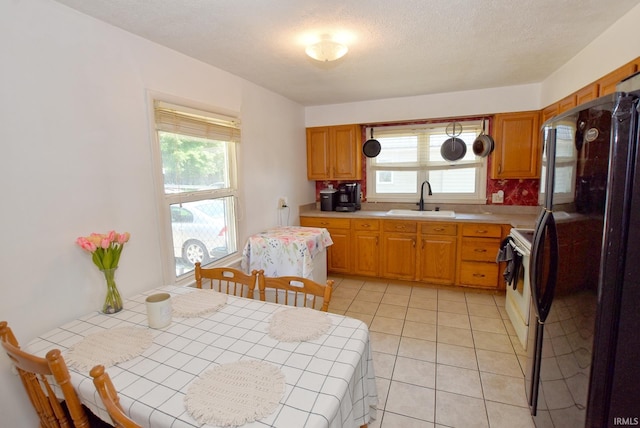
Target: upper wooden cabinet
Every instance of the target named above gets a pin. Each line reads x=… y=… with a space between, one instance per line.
x=607 y=84
x=587 y=93
x=516 y=145
x=603 y=86
x=333 y=153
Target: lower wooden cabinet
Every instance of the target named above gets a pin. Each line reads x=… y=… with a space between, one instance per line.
x=479 y=245
x=338 y=254
x=446 y=253
x=366 y=247
x=437 y=253
x=399 y=249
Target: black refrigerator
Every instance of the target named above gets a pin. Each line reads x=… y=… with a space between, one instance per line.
x=583 y=363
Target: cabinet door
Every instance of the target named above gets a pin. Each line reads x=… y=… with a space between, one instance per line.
x=567 y=103
x=587 y=93
x=346 y=156
x=550 y=111
x=516 y=149
x=318 y=156
x=608 y=83
x=366 y=253
x=338 y=253
x=437 y=259
x=399 y=255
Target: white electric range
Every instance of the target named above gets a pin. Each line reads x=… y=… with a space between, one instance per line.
x=518 y=296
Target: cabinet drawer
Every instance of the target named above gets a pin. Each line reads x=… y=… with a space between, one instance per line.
x=438 y=229
x=479 y=274
x=399 y=226
x=328 y=223
x=363 y=224
x=482 y=230
x=479 y=249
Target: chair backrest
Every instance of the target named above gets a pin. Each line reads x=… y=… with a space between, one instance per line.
x=109 y=397
x=226 y=280
x=297 y=291
x=33 y=372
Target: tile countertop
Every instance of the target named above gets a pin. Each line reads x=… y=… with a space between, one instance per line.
x=526 y=218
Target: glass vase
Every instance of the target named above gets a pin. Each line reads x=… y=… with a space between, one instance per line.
x=112 y=301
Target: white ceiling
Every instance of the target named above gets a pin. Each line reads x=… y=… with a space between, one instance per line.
x=397 y=48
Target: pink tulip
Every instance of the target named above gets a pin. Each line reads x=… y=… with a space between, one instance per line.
x=105 y=243
x=112 y=236
x=86 y=244
x=123 y=237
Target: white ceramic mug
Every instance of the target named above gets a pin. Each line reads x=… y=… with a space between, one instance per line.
x=159 y=310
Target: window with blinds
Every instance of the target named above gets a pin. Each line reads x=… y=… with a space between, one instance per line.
x=197 y=155
x=412 y=154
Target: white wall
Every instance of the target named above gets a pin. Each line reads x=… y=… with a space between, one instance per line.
x=76 y=158
x=618 y=45
x=615 y=47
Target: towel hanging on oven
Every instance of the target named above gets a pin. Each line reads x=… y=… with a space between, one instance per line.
x=513 y=258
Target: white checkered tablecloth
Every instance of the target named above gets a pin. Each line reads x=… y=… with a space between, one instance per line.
x=330 y=381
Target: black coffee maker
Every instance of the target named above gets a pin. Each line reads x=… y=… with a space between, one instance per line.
x=348 y=197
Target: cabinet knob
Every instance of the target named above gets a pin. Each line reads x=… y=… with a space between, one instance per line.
x=478 y=275
x=480 y=250
x=481 y=231
x=438 y=229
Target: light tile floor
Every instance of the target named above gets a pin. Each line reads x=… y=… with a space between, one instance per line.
x=443 y=357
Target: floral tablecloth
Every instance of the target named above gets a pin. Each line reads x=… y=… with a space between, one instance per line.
x=285 y=251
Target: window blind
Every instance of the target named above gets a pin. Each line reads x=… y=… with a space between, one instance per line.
x=196 y=123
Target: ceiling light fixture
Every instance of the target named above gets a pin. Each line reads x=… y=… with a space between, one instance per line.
x=326 y=50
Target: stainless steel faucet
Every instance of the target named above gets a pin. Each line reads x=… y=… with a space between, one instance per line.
x=421 y=202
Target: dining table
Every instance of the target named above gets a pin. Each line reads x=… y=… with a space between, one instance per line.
x=324 y=379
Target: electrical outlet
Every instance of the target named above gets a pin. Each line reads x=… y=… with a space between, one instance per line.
x=282 y=202
x=498 y=197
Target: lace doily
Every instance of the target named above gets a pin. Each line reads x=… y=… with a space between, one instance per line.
x=236 y=393
x=197 y=303
x=109 y=347
x=298 y=324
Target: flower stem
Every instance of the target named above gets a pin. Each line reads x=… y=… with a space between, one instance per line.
x=112 y=301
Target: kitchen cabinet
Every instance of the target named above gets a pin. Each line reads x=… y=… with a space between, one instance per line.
x=567 y=103
x=398 y=254
x=587 y=93
x=516 y=150
x=366 y=248
x=549 y=112
x=479 y=245
x=338 y=254
x=437 y=253
x=334 y=153
x=607 y=84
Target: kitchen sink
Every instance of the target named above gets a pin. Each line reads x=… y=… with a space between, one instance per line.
x=428 y=214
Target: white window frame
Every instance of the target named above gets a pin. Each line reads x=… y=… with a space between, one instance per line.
x=165 y=200
x=423 y=166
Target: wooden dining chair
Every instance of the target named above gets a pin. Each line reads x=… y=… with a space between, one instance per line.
x=297 y=291
x=110 y=399
x=227 y=280
x=33 y=372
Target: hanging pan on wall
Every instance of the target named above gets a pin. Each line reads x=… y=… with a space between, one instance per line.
x=454 y=148
x=371 y=147
x=483 y=145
